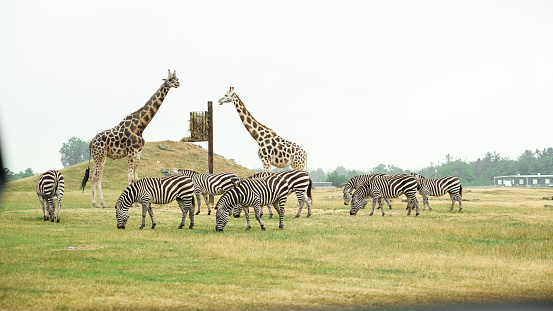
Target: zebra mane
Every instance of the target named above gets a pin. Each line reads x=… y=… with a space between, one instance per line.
x=183 y=171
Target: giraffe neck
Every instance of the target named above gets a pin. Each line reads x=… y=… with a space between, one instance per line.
x=256 y=129
x=145 y=114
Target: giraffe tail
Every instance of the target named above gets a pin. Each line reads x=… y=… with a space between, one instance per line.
x=87 y=172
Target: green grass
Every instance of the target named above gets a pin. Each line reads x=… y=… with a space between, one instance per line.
x=486 y=254
x=498 y=250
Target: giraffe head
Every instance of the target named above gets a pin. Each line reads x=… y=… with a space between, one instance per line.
x=229 y=97
x=172 y=79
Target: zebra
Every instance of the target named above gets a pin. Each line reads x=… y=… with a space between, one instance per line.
x=160 y=190
x=50 y=184
x=298 y=182
x=254 y=192
x=357 y=181
x=386 y=187
x=206 y=184
x=437 y=187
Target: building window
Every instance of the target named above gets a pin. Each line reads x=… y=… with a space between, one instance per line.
x=499 y=181
x=547 y=181
x=521 y=181
x=535 y=181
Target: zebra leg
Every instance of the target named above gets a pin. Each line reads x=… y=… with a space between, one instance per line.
x=300 y=196
x=199 y=201
x=256 y=208
x=43 y=207
x=59 y=207
x=308 y=201
x=380 y=205
x=151 y=213
x=184 y=210
x=270 y=211
x=365 y=201
x=280 y=211
x=51 y=209
x=190 y=207
x=207 y=203
x=416 y=202
x=374 y=203
x=145 y=210
x=388 y=202
x=247 y=214
x=460 y=204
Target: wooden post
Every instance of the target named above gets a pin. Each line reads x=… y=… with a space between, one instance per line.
x=210 y=141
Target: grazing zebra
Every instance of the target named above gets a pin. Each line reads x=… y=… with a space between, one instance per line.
x=50 y=184
x=386 y=187
x=252 y=192
x=357 y=181
x=298 y=182
x=159 y=190
x=206 y=184
x=437 y=187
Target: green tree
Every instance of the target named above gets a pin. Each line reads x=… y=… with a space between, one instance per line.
x=74 y=151
x=336 y=178
x=9 y=174
x=26 y=173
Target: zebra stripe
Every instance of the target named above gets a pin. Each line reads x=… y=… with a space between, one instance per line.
x=159 y=190
x=209 y=184
x=298 y=182
x=357 y=181
x=256 y=193
x=386 y=187
x=50 y=184
x=437 y=187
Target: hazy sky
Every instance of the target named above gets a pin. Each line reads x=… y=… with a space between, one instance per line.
x=355 y=83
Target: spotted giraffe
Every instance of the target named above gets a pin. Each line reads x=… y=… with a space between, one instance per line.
x=273 y=149
x=124 y=140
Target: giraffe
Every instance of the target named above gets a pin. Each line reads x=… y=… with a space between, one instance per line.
x=273 y=149
x=124 y=140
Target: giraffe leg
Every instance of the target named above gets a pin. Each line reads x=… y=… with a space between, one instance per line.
x=266 y=164
x=130 y=162
x=96 y=180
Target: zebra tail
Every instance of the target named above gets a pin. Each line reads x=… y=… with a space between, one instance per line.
x=461 y=190
x=87 y=172
x=309 y=190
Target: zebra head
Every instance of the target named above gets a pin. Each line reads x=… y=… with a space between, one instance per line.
x=223 y=212
x=229 y=97
x=121 y=213
x=347 y=195
x=357 y=202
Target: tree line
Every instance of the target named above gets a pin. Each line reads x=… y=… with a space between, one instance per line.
x=475 y=173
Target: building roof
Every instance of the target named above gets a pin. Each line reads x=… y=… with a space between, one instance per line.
x=511 y=176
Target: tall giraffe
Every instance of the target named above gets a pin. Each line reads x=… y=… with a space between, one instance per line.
x=125 y=140
x=273 y=149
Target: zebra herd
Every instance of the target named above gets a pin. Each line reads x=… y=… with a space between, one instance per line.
x=237 y=194
x=381 y=186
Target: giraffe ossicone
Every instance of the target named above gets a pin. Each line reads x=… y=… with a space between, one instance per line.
x=273 y=149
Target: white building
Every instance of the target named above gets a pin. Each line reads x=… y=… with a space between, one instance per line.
x=524 y=181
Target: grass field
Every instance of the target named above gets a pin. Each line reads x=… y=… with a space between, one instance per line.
x=498 y=250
